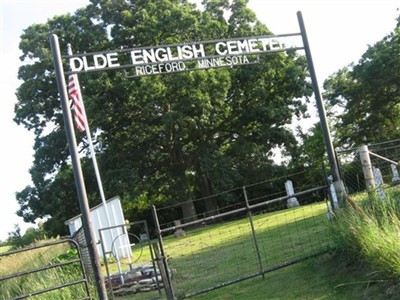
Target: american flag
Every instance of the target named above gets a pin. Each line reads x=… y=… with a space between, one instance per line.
x=75 y=97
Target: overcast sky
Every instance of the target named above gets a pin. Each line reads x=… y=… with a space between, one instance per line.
x=339 y=33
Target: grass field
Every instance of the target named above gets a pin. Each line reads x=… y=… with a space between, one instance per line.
x=324 y=277
x=217 y=253
x=302 y=231
x=220 y=253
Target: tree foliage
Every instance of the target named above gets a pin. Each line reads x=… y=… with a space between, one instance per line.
x=32 y=235
x=365 y=97
x=162 y=138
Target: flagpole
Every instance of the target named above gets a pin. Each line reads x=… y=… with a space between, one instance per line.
x=92 y=151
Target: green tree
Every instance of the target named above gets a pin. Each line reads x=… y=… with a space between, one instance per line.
x=15 y=237
x=312 y=149
x=17 y=240
x=38 y=109
x=163 y=138
x=365 y=97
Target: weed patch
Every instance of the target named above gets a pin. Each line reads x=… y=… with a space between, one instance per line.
x=370 y=231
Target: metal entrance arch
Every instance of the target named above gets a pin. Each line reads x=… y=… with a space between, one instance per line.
x=164 y=59
x=172 y=58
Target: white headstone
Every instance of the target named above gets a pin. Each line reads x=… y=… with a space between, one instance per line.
x=179 y=232
x=292 y=201
x=333 y=193
x=396 y=177
x=379 y=183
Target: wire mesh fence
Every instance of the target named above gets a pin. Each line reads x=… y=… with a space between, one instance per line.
x=383 y=162
x=251 y=230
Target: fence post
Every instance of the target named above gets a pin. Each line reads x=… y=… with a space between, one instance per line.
x=367 y=168
x=163 y=272
x=110 y=288
x=163 y=263
x=253 y=232
x=153 y=259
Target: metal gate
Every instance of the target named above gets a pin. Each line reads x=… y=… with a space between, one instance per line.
x=136 y=270
x=252 y=236
x=52 y=270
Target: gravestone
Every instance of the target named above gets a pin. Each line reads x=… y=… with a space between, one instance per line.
x=396 y=177
x=291 y=202
x=333 y=193
x=379 y=183
x=179 y=232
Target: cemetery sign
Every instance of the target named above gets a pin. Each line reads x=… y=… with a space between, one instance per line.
x=184 y=57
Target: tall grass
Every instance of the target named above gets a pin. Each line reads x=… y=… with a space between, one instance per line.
x=29 y=283
x=370 y=231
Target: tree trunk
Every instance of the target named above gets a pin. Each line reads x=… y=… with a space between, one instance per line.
x=188 y=208
x=206 y=191
x=178 y=160
x=189 y=212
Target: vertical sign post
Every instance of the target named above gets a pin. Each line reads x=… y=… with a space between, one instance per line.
x=78 y=175
x=321 y=111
